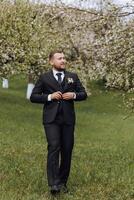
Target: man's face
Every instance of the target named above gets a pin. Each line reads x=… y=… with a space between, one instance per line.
x=58 y=61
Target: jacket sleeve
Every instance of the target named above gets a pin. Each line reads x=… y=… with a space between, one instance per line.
x=37 y=95
x=80 y=91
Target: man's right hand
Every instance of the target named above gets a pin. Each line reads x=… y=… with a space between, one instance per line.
x=56 y=95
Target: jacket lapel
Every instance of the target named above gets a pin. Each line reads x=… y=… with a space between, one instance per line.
x=52 y=81
x=66 y=80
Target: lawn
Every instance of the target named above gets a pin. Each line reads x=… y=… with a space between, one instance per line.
x=103 y=155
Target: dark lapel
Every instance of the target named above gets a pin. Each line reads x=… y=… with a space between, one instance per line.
x=66 y=80
x=52 y=81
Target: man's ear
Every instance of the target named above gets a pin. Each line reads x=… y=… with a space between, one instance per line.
x=51 y=62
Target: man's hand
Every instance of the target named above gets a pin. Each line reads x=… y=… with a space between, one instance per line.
x=68 y=95
x=56 y=95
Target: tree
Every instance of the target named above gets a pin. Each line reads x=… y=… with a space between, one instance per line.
x=92 y=39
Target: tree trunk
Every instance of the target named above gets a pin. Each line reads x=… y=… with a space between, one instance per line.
x=5 y=83
x=30 y=86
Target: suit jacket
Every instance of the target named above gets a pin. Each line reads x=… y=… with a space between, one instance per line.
x=47 y=84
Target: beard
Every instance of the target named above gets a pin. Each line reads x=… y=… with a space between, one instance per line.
x=59 y=69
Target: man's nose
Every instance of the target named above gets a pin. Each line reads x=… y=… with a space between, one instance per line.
x=63 y=60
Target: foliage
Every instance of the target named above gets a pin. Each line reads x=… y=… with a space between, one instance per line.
x=115 y=52
x=98 y=43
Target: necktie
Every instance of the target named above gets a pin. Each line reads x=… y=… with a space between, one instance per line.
x=59 y=77
x=60 y=85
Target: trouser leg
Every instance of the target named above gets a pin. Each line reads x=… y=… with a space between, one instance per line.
x=67 y=142
x=53 y=135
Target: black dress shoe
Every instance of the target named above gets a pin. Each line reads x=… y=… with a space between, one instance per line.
x=55 y=189
x=63 y=188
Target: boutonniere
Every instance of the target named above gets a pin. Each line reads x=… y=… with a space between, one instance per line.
x=70 y=80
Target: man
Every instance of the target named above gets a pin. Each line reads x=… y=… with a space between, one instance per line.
x=57 y=90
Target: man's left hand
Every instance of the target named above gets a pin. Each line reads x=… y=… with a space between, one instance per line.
x=68 y=95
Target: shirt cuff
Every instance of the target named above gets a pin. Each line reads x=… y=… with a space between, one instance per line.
x=74 y=96
x=49 y=97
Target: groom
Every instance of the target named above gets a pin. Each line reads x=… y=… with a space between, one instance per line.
x=57 y=89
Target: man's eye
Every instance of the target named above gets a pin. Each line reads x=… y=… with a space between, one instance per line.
x=61 y=58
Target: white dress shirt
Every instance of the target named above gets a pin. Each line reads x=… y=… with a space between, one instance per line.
x=55 y=76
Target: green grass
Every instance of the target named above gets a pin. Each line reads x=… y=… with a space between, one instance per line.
x=103 y=155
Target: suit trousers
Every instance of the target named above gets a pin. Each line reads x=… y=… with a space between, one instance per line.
x=60 y=139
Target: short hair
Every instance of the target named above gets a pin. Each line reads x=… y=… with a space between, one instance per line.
x=54 y=52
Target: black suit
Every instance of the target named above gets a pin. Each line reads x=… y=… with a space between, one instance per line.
x=58 y=120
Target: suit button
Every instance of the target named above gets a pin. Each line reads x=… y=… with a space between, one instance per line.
x=58 y=102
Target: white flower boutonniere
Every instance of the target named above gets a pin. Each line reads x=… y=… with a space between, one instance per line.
x=70 y=80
